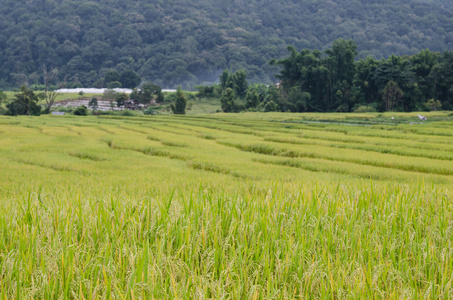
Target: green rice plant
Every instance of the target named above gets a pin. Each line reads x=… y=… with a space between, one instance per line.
x=403 y=150
x=105 y=207
x=215 y=245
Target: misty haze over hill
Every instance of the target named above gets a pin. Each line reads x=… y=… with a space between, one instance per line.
x=188 y=42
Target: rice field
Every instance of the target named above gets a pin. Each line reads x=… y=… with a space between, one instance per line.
x=227 y=206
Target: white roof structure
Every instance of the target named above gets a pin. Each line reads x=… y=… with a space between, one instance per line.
x=100 y=91
x=91 y=91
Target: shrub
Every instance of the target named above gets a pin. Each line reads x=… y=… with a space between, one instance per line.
x=271 y=106
x=151 y=111
x=342 y=108
x=126 y=113
x=170 y=97
x=105 y=113
x=433 y=104
x=81 y=111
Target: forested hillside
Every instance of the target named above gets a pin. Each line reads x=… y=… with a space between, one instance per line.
x=188 y=42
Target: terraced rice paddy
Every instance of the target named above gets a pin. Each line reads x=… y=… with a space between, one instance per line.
x=246 y=206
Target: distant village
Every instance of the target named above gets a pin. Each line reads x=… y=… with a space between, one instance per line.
x=102 y=105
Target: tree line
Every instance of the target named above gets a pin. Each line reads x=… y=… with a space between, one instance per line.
x=335 y=81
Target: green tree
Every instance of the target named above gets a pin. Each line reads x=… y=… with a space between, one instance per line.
x=114 y=85
x=365 y=82
x=148 y=93
x=342 y=67
x=252 y=99
x=24 y=103
x=271 y=106
x=227 y=100
x=206 y=91
x=421 y=64
x=93 y=103
x=81 y=111
x=224 y=79
x=433 y=104
x=183 y=47
x=112 y=75
x=240 y=83
x=51 y=94
x=100 y=83
x=179 y=108
x=121 y=98
x=391 y=95
x=301 y=72
x=442 y=79
x=299 y=99
x=110 y=96
x=130 y=79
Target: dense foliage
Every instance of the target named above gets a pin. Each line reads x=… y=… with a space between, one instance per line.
x=179 y=108
x=81 y=111
x=24 y=103
x=334 y=81
x=147 y=94
x=109 y=43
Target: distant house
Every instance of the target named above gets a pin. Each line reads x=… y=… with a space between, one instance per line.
x=58 y=113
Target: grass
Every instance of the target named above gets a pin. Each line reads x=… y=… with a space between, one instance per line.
x=203 y=106
x=242 y=206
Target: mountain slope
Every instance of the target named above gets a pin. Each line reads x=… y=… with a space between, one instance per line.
x=188 y=42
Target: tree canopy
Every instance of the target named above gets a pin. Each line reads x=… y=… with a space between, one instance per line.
x=334 y=81
x=24 y=103
x=179 y=107
x=106 y=43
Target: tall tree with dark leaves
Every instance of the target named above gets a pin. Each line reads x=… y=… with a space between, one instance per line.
x=179 y=108
x=341 y=63
x=24 y=103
